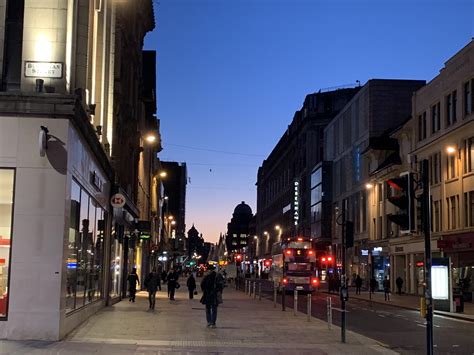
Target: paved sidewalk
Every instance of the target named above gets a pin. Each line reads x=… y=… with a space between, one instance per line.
x=411 y=302
x=244 y=326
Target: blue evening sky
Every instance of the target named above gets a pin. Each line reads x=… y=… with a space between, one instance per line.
x=231 y=74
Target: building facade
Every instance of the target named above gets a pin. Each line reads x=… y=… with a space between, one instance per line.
x=441 y=130
x=378 y=107
x=60 y=161
x=284 y=179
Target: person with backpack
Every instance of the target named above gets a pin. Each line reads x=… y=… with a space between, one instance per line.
x=152 y=282
x=212 y=287
x=133 y=280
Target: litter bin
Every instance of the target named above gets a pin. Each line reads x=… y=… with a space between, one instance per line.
x=459 y=303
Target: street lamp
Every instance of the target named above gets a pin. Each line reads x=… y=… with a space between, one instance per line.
x=451 y=150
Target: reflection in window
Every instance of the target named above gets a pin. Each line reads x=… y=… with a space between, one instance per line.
x=7 y=177
x=86 y=249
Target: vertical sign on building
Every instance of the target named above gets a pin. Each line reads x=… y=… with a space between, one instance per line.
x=296 y=203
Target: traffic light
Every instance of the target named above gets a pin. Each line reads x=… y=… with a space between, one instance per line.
x=404 y=199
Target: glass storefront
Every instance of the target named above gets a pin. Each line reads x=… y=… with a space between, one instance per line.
x=7 y=178
x=86 y=249
x=115 y=264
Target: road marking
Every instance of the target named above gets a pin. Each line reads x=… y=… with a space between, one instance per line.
x=437 y=326
x=381 y=316
x=421 y=325
x=455 y=346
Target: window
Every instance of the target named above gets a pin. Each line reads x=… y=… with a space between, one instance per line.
x=13 y=44
x=7 y=178
x=435 y=118
x=435 y=168
x=436 y=216
x=422 y=126
x=451 y=167
x=451 y=101
x=469 y=155
x=452 y=212
x=86 y=249
x=469 y=209
x=468 y=97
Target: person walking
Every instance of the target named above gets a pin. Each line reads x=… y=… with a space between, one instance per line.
x=152 y=281
x=399 y=282
x=373 y=284
x=386 y=288
x=358 y=283
x=211 y=287
x=172 y=279
x=191 y=283
x=132 y=284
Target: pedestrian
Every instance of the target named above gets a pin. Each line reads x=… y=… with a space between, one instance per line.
x=172 y=279
x=358 y=283
x=152 y=281
x=132 y=284
x=399 y=282
x=211 y=287
x=191 y=283
x=386 y=288
x=373 y=284
x=164 y=274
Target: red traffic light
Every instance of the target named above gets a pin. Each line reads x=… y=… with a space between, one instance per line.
x=323 y=259
x=329 y=259
x=267 y=263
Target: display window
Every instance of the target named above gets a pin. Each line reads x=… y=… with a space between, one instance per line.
x=86 y=249
x=7 y=184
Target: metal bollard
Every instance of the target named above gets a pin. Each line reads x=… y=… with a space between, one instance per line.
x=255 y=289
x=260 y=291
x=329 y=307
x=274 y=295
x=283 y=304
x=308 y=308
x=295 y=302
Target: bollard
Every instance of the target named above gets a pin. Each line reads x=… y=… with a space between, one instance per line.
x=245 y=289
x=283 y=304
x=295 y=302
x=329 y=308
x=260 y=291
x=255 y=289
x=274 y=295
x=308 y=308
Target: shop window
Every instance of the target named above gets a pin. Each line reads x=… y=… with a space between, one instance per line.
x=7 y=178
x=86 y=249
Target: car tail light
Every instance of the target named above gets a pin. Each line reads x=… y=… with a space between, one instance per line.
x=329 y=258
x=310 y=252
x=285 y=281
x=315 y=281
x=288 y=252
x=323 y=259
x=300 y=239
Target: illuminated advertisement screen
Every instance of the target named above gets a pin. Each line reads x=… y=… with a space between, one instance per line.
x=439 y=282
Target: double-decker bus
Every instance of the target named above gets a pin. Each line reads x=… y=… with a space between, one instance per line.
x=294 y=265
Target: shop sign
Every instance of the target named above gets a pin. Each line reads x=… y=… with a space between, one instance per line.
x=117 y=201
x=53 y=70
x=296 y=203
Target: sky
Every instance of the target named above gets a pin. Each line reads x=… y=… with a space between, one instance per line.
x=232 y=73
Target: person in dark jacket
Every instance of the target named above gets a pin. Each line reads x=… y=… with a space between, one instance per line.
x=152 y=283
x=399 y=282
x=191 y=283
x=132 y=284
x=358 y=283
x=172 y=282
x=373 y=284
x=386 y=288
x=211 y=287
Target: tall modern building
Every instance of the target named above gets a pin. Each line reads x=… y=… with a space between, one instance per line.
x=70 y=139
x=284 y=179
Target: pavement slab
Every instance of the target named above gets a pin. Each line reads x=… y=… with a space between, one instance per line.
x=244 y=326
